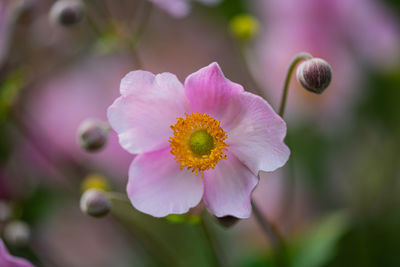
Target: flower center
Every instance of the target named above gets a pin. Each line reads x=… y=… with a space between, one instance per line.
x=198 y=142
x=201 y=143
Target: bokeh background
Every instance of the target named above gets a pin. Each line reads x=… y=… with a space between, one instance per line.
x=336 y=202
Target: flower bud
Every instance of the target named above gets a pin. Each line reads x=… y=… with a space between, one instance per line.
x=314 y=75
x=244 y=27
x=17 y=233
x=227 y=221
x=67 y=13
x=95 y=203
x=92 y=135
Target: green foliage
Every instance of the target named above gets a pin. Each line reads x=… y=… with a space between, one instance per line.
x=227 y=9
x=380 y=104
x=318 y=245
x=9 y=89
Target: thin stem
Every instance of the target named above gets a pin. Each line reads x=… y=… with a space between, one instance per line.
x=289 y=192
x=299 y=57
x=269 y=230
x=159 y=252
x=256 y=87
x=117 y=196
x=143 y=20
x=94 y=26
x=211 y=241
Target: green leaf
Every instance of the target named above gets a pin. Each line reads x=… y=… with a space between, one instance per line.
x=9 y=89
x=318 y=245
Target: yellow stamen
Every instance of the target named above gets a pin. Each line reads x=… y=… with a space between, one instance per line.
x=198 y=142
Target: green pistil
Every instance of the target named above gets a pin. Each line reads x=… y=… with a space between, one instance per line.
x=201 y=143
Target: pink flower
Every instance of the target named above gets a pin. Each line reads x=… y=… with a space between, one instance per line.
x=82 y=91
x=221 y=138
x=179 y=8
x=8 y=260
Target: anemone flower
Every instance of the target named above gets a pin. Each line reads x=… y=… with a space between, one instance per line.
x=8 y=260
x=179 y=8
x=207 y=139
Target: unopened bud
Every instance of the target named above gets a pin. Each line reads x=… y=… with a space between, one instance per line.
x=67 y=12
x=17 y=233
x=244 y=27
x=95 y=203
x=314 y=75
x=227 y=221
x=92 y=135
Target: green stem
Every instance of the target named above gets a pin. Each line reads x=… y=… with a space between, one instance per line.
x=144 y=16
x=92 y=24
x=143 y=20
x=156 y=249
x=256 y=87
x=211 y=241
x=299 y=57
x=269 y=230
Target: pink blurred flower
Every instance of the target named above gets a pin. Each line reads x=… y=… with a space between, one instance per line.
x=61 y=103
x=8 y=260
x=163 y=177
x=179 y=8
x=346 y=33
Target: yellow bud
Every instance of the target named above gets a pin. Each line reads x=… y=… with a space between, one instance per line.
x=95 y=181
x=244 y=27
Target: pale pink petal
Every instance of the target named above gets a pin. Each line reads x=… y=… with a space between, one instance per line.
x=157 y=186
x=228 y=188
x=255 y=133
x=8 y=260
x=209 y=91
x=135 y=82
x=149 y=105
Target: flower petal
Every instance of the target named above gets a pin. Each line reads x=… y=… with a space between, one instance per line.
x=8 y=260
x=148 y=106
x=157 y=186
x=209 y=91
x=228 y=188
x=255 y=133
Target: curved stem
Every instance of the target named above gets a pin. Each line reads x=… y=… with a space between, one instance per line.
x=142 y=21
x=256 y=87
x=212 y=242
x=299 y=57
x=159 y=252
x=271 y=233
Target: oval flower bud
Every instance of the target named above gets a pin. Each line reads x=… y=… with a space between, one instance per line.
x=17 y=233
x=227 y=221
x=92 y=135
x=95 y=203
x=314 y=75
x=67 y=13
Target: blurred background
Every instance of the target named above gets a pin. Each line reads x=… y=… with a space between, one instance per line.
x=336 y=202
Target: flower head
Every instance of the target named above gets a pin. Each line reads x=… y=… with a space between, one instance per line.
x=8 y=260
x=206 y=139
